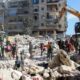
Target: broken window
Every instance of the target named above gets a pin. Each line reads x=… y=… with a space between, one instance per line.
x=42 y=24
x=42 y=8
x=47 y=15
x=36 y=10
x=35 y=17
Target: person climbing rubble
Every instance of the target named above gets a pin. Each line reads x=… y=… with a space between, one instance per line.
x=49 y=50
x=13 y=50
x=17 y=63
x=22 y=59
x=30 y=49
x=41 y=48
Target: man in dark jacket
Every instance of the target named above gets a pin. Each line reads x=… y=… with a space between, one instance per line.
x=49 y=50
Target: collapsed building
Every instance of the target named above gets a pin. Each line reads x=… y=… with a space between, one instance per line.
x=46 y=17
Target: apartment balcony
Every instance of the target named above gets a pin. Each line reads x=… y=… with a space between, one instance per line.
x=36 y=12
x=52 y=1
x=15 y=23
x=51 y=21
x=53 y=13
x=22 y=14
x=14 y=28
x=15 y=31
x=51 y=25
x=18 y=4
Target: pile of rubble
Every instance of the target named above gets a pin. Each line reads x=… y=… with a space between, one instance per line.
x=61 y=67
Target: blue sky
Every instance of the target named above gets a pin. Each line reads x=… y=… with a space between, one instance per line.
x=71 y=18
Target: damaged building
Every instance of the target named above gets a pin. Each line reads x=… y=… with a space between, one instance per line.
x=34 y=16
x=18 y=16
x=46 y=17
x=2 y=12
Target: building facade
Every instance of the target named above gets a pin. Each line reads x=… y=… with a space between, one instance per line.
x=46 y=17
x=2 y=13
x=21 y=16
x=18 y=16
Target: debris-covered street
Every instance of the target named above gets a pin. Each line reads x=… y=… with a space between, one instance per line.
x=31 y=61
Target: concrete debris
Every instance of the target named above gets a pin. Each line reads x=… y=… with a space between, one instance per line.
x=39 y=67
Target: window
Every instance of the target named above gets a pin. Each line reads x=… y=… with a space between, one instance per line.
x=59 y=4
x=23 y=4
x=35 y=26
x=42 y=9
x=26 y=12
x=42 y=24
x=35 y=1
x=49 y=16
x=12 y=12
x=42 y=0
x=56 y=8
x=35 y=18
x=36 y=10
x=13 y=4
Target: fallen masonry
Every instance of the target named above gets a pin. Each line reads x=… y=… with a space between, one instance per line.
x=61 y=67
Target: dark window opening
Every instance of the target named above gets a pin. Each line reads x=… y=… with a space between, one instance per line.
x=42 y=0
x=42 y=8
x=35 y=17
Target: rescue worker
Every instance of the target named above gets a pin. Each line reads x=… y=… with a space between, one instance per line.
x=49 y=50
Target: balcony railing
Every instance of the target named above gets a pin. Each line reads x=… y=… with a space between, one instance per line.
x=17 y=23
x=52 y=1
x=51 y=20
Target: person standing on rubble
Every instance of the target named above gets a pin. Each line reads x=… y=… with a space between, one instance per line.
x=30 y=49
x=22 y=59
x=41 y=47
x=49 y=50
x=17 y=63
x=13 y=50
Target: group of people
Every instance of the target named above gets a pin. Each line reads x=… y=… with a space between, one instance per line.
x=67 y=45
x=7 y=47
x=49 y=49
x=42 y=48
